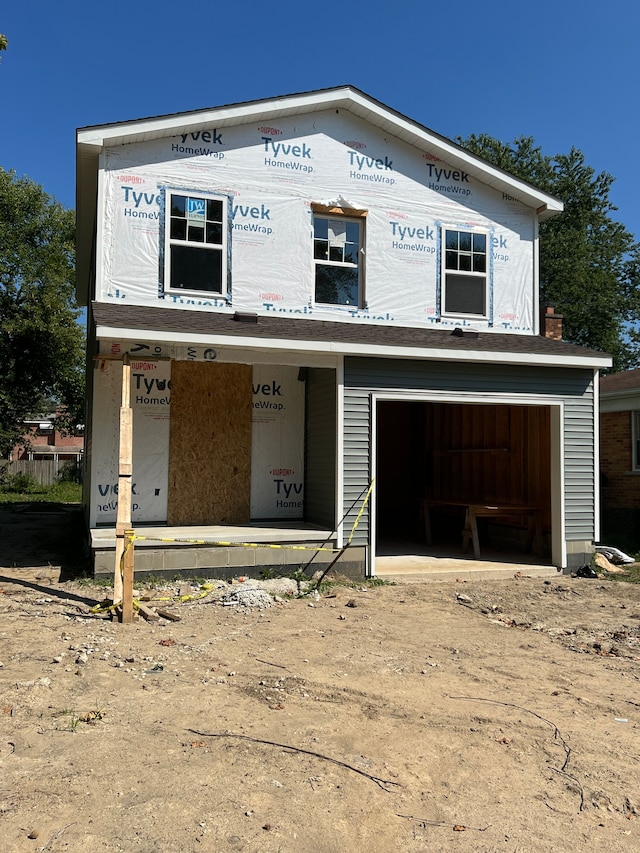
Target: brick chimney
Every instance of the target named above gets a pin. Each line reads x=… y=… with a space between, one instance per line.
x=551 y=324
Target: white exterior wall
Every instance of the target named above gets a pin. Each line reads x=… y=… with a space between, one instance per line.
x=271 y=176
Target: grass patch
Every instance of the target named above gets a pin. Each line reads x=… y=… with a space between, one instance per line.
x=349 y=583
x=64 y=492
x=91 y=581
x=307 y=585
x=632 y=576
x=73 y=721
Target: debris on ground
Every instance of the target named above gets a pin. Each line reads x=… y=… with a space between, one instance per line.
x=606 y=565
x=586 y=572
x=247 y=597
x=614 y=555
x=243 y=591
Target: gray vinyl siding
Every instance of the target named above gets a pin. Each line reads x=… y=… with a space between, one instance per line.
x=356 y=464
x=573 y=387
x=320 y=448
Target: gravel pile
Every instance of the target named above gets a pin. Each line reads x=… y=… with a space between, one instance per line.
x=247 y=597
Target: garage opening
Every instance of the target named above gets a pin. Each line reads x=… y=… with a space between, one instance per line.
x=436 y=460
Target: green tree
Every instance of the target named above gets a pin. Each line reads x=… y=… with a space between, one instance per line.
x=41 y=344
x=589 y=263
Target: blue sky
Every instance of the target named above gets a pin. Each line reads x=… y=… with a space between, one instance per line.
x=564 y=72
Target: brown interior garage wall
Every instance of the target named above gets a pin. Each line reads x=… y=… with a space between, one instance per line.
x=498 y=454
x=461 y=452
x=210 y=444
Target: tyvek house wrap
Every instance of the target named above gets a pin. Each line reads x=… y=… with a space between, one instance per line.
x=277 y=458
x=277 y=443
x=271 y=177
x=151 y=403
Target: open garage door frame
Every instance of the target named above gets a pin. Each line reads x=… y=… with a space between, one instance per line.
x=556 y=410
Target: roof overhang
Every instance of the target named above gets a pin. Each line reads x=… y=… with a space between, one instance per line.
x=91 y=141
x=627 y=400
x=302 y=348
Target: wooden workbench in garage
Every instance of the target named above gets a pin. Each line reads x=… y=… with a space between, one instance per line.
x=473 y=511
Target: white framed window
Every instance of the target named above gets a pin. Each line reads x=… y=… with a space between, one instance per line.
x=338 y=252
x=465 y=273
x=635 y=439
x=196 y=243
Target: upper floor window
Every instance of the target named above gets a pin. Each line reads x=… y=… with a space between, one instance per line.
x=465 y=273
x=337 y=254
x=196 y=243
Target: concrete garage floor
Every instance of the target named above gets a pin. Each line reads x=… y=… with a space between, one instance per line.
x=444 y=563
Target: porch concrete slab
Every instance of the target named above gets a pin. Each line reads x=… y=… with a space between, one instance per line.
x=210 y=558
x=223 y=558
x=153 y=536
x=269 y=556
x=293 y=557
x=148 y=561
x=200 y=549
x=183 y=559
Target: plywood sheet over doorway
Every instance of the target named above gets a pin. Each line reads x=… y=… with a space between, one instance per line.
x=210 y=444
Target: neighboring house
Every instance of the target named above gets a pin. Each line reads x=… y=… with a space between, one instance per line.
x=45 y=441
x=620 y=457
x=315 y=291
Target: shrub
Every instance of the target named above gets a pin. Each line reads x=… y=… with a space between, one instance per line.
x=70 y=472
x=23 y=484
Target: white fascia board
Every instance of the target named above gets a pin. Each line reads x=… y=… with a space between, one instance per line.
x=168 y=125
x=345 y=349
x=347 y=98
x=545 y=204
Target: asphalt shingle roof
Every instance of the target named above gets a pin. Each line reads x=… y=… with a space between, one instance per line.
x=179 y=321
x=629 y=380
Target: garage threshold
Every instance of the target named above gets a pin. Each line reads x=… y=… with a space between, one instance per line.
x=421 y=568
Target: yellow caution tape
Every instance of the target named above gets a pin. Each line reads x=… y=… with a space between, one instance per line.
x=205 y=590
x=135 y=537
x=358 y=517
x=104 y=608
x=231 y=544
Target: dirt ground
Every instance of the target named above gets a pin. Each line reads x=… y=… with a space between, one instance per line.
x=478 y=716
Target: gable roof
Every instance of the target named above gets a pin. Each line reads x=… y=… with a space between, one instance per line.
x=619 y=383
x=202 y=328
x=92 y=140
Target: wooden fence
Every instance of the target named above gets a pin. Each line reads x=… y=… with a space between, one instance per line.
x=45 y=471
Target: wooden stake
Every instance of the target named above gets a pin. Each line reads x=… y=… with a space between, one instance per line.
x=127 y=578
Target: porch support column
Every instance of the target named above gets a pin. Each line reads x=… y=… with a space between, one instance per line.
x=123 y=586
